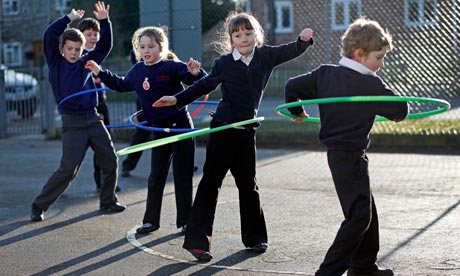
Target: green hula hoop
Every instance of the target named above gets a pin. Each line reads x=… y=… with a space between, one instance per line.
x=443 y=105
x=183 y=136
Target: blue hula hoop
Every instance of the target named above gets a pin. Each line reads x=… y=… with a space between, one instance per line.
x=157 y=129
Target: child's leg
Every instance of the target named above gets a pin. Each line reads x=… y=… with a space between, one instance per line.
x=74 y=146
x=101 y=142
x=350 y=174
x=253 y=228
x=201 y=219
x=183 y=162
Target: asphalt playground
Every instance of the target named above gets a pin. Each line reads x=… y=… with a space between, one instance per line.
x=417 y=194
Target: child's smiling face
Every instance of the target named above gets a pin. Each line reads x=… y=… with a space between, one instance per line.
x=149 y=50
x=244 y=41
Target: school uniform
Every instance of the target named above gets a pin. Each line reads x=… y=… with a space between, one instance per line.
x=82 y=126
x=151 y=82
x=345 y=131
x=242 y=85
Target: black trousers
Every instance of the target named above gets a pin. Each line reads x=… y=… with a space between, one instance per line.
x=78 y=133
x=357 y=242
x=182 y=156
x=103 y=110
x=140 y=136
x=233 y=150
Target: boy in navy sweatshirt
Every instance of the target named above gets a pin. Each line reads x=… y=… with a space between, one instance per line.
x=82 y=126
x=345 y=129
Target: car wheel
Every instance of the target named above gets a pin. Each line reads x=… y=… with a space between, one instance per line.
x=27 y=108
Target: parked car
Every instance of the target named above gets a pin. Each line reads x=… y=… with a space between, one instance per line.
x=21 y=92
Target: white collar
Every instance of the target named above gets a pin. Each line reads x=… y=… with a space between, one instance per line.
x=354 y=65
x=158 y=61
x=238 y=56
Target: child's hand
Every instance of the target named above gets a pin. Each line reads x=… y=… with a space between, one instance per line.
x=193 y=67
x=101 y=12
x=93 y=67
x=76 y=14
x=300 y=117
x=165 y=101
x=306 y=34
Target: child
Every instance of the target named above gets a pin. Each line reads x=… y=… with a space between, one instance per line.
x=91 y=30
x=157 y=75
x=345 y=129
x=243 y=73
x=81 y=125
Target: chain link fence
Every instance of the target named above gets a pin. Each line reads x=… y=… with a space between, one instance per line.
x=424 y=63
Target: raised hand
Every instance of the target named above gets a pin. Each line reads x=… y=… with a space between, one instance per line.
x=306 y=34
x=76 y=14
x=193 y=66
x=101 y=11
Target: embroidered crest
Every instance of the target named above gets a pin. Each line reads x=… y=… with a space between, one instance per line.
x=146 y=84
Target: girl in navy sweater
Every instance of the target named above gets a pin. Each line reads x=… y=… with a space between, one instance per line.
x=242 y=71
x=159 y=73
x=82 y=126
x=345 y=129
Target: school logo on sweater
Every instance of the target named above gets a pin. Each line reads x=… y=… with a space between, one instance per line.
x=146 y=84
x=163 y=78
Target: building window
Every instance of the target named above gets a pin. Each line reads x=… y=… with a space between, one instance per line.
x=10 y=7
x=420 y=12
x=62 y=5
x=344 y=12
x=12 y=54
x=284 y=17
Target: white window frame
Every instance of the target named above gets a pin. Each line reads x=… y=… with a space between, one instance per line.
x=62 y=5
x=12 y=53
x=347 y=20
x=421 y=20
x=279 y=6
x=10 y=7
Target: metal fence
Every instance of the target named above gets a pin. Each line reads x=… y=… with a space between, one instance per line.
x=424 y=63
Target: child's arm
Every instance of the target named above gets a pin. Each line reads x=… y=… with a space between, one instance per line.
x=54 y=31
x=109 y=79
x=299 y=88
x=104 y=45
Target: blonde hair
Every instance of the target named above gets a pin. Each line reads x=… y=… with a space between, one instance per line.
x=159 y=35
x=234 y=22
x=365 y=34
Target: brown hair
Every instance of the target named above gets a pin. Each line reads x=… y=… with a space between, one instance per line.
x=367 y=35
x=88 y=24
x=159 y=35
x=72 y=34
x=234 y=22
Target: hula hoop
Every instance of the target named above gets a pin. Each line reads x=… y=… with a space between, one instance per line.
x=443 y=105
x=82 y=93
x=183 y=136
x=140 y=125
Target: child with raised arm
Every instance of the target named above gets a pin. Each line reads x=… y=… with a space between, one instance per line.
x=82 y=126
x=91 y=29
x=345 y=129
x=243 y=71
x=159 y=74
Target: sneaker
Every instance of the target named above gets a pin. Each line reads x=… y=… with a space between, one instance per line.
x=36 y=213
x=201 y=255
x=259 y=248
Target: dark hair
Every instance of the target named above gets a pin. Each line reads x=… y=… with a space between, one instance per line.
x=88 y=24
x=72 y=34
x=234 y=22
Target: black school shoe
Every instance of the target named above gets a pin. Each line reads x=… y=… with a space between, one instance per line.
x=259 y=248
x=201 y=255
x=147 y=228
x=36 y=213
x=377 y=272
x=113 y=207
